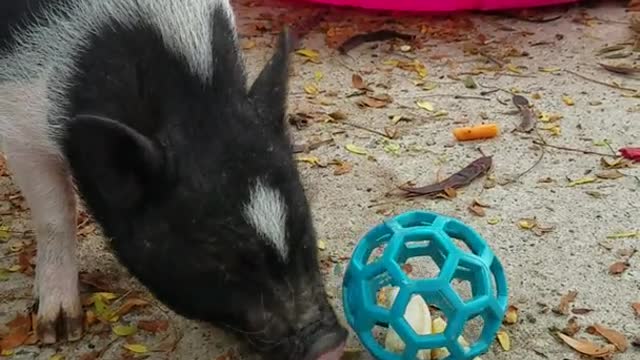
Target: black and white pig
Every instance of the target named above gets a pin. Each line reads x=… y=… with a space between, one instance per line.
x=142 y=108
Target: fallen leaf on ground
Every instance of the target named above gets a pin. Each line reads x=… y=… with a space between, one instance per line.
x=322 y=245
x=565 y=301
x=313 y=160
x=587 y=348
x=18 y=334
x=309 y=54
x=511 y=316
x=380 y=35
x=527 y=224
x=631 y=153
x=357 y=82
x=425 y=105
x=311 y=89
x=153 y=326
x=469 y=83
x=618 y=163
x=620 y=68
x=572 y=327
x=129 y=304
x=355 y=149
x=462 y=178
x=493 y=221
x=582 y=181
x=612 y=336
x=609 y=174
x=624 y=234
x=504 y=340
x=374 y=102
x=568 y=100
x=618 y=268
x=581 y=311
x=342 y=167
x=636 y=308
x=124 y=330
x=136 y=348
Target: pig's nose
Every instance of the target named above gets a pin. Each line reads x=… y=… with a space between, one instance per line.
x=328 y=346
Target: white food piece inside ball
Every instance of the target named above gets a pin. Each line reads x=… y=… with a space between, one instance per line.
x=418 y=316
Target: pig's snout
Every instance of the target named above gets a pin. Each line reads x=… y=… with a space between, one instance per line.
x=328 y=346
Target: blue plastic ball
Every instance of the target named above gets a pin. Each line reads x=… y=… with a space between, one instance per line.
x=438 y=237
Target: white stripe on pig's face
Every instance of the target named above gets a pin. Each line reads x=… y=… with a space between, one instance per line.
x=267 y=213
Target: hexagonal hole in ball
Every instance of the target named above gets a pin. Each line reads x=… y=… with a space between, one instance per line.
x=467 y=281
x=421 y=257
x=472 y=332
x=462 y=237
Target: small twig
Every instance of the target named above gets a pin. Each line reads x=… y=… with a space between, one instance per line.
x=572 y=149
x=373 y=131
x=596 y=81
x=491 y=58
x=455 y=96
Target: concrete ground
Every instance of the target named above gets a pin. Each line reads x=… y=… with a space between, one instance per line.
x=589 y=225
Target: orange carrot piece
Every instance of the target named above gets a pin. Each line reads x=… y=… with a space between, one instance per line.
x=484 y=131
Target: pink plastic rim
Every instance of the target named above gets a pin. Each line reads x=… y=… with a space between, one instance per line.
x=442 y=5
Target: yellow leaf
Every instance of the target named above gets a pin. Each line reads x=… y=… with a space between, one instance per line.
x=493 y=221
x=136 y=348
x=14 y=268
x=4 y=233
x=513 y=69
x=568 y=100
x=122 y=330
x=313 y=160
x=57 y=357
x=504 y=340
x=425 y=105
x=248 y=44
x=311 y=89
x=582 y=181
x=554 y=129
x=441 y=113
x=527 y=224
x=429 y=86
x=622 y=235
x=308 y=53
x=318 y=75
x=322 y=245
x=6 y=352
x=546 y=117
x=549 y=69
x=355 y=149
x=391 y=62
x=511 y=317
x=106 y=296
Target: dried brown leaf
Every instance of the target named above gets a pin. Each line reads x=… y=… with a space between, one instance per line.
x=477 y=209
x=636 y=308
x=621 y=68
x=342 y=168
x=572 y=327
x=587 y=348
x=565 y=302
x=19 y=329
x=154 y=326
x=129 y=304
x=618 y=267
x=609 y=174
x=372 y=103
x=612 y=336
x=462 y=178
x=581 y=311
x=358 y=82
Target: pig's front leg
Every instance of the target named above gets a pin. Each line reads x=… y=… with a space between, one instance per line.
x=46 y=185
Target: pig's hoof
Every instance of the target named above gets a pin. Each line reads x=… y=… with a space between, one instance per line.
x=57 y=322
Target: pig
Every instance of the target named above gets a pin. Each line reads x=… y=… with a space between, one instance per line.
x=141 y=111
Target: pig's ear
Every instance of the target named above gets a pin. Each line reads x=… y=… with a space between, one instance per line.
x=113 y=165
x=269 y=91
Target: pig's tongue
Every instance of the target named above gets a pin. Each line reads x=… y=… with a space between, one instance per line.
x=333 y=354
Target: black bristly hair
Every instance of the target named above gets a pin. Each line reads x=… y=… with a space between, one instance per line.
x=165 y=161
